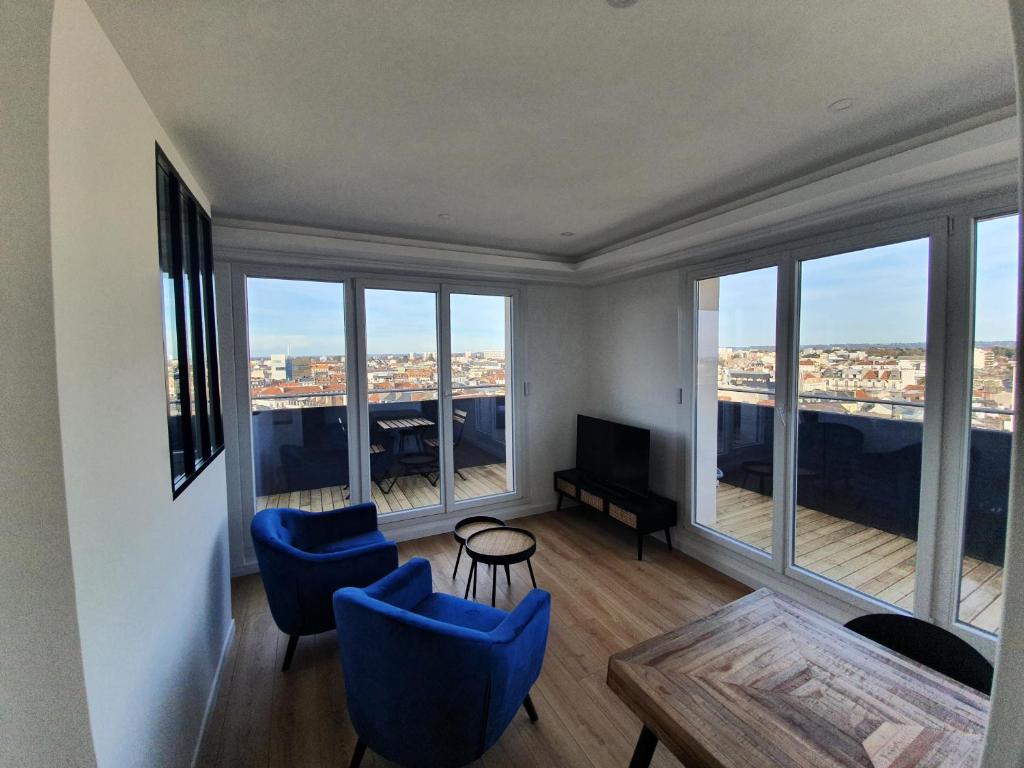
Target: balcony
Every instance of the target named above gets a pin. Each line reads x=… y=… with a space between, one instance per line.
x=300 y=447
x=858 y=500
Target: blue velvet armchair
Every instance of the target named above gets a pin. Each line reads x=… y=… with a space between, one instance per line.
x=431 y=679
x=305 y=557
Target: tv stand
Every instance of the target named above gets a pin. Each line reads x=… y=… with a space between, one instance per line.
x=644 y=513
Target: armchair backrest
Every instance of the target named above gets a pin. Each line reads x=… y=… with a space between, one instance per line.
x=300 y=581
x=423 y=692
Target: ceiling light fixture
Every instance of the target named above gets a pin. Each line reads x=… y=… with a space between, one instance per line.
x=840 y=105
x=444 y=216
x=621 y=3
x=568 y=234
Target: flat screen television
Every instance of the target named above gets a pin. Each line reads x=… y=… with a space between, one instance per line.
x=614 y=454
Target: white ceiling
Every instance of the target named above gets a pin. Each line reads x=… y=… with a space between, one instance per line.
x=528 y=118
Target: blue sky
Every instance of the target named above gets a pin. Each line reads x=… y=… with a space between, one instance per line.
x=873 y=296
x=307 y=318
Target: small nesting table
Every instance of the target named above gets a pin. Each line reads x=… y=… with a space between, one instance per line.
x=467 y=527
x=499 y=546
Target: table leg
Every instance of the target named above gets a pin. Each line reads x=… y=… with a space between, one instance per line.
x=459 y=557
x=508 y=576
x=644 y=751
x=532 y=578
x=494 y=584
x=469 y=581
x=475 y=578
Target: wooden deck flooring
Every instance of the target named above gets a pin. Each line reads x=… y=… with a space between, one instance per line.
x=408 y=493
x=603 y=601
x=877 y=563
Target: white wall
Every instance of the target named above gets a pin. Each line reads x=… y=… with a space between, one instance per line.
x=42 y=689
x=632 y=341
x=151 y=575
x=557 y=369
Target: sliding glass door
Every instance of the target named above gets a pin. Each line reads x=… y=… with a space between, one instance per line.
x=861 y=395
x=298 y=385
x=399 y=393
x=992 y=362
x=402 y=395
x=480 y=365
x=735 y=394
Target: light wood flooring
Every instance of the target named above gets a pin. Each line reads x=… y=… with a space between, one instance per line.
x=877 y=563
x=603 y=601
x=408 y=492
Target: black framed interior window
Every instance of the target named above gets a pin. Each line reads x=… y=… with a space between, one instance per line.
x=194 y=426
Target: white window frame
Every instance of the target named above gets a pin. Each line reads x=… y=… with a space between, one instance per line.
x=950 y=229
x=355 y=346
x=956 y=447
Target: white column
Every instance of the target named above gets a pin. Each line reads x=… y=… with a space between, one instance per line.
x=706 y=441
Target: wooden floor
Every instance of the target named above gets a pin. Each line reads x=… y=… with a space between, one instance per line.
x=408 y=492
x=603 y=601
x=877 y=563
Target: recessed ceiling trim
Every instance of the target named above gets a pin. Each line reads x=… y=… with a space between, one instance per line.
x=899 y=167
x=977 y=160
x=240 y=240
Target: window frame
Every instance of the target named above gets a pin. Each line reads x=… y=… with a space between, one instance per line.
x=236 y=272
x=198 y=368
x=945 y=441
x=960 y=370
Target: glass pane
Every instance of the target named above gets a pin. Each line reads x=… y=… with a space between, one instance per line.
x=481 y=349
x=174 y=426
x=861 y=385
x=299 y=393
x=208 y=337
x=994 y=356
x=192 y=341
x=735 y=405
x=401 y=375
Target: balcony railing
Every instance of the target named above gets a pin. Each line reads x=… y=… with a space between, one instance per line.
x=304 y=447
x=867 y=468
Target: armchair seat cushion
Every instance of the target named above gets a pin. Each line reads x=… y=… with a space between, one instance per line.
x=451 y=610
x=349 y=542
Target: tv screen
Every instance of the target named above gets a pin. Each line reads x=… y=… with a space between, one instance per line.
x=612 y=453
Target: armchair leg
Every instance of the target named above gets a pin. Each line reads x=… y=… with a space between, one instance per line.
x=357 y=754
x=293 y=640
x=530 y=709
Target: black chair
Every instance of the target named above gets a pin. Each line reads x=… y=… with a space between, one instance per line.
x=927 y=644
x=433 y=444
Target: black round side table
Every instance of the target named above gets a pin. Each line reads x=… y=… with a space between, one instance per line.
x=500 y=546
x=467 y=527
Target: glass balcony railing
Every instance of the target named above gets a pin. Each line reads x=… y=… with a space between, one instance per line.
x=301 y=446
x=875 y=479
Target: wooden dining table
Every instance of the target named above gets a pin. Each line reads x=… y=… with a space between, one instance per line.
x=765 y=682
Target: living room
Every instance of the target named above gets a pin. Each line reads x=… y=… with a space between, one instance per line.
x=615 y=313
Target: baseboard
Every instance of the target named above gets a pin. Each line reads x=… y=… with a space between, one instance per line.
x=756 y=576
x=419 y=528
x=211 y=700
